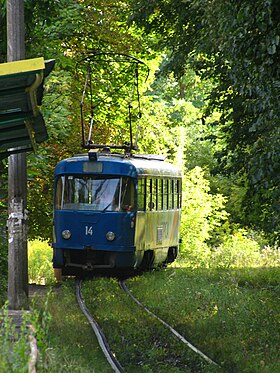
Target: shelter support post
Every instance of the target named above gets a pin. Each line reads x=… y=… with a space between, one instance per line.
x=17 y=181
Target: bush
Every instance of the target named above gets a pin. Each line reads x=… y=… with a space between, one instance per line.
x=40 y=267
x=270 y=256
x=202 y=214
x=237 y=250
x=209 y=240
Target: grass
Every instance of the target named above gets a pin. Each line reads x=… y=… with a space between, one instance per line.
x=65 y=340
x=72 y=343
x=140 y=343
x=231 y=314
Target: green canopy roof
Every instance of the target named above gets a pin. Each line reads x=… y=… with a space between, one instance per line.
x=22 y=126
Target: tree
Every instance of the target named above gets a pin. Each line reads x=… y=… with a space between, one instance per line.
x=170 y=121
x=236 y=44
x=73 y=30
x=203 y=213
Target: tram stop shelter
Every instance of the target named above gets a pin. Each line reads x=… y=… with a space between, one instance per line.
x=22 y=126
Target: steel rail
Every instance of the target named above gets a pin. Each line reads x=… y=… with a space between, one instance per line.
x=112 y=360
x=178 y=335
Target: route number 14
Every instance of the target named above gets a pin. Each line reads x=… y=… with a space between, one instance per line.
x=89 y=230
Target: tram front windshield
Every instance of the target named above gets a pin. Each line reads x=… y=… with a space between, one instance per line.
x=94 y=193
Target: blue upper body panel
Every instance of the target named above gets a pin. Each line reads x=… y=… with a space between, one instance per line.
x=116 y=165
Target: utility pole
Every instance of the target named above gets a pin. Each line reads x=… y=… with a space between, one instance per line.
x=17 y=179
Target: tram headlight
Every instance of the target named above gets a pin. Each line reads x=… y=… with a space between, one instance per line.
x=66 y=234
x=110 y=236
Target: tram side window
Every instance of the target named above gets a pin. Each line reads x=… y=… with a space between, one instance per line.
x=141 y=194
x=177 y=194
x=127 y=194
x=59 y=192
x=175 y=199
x=160 y=194
x=180 y=194
x=170 y=194
x=151 y=195
x=149 y=191
x=165 y=194
x=155 y=195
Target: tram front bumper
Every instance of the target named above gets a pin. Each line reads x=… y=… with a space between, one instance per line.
x=89 y=258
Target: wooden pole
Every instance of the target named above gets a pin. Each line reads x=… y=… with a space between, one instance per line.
x=17 y=179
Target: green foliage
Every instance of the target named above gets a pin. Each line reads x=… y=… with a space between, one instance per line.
x=210 y=239
x=157 y=123
x=15 y=342
x=237 y=250
x=171 y=114
x=236 y=45
x=40 y=319
x=51 y=27
x=234 y=189
x=270 y=256
x=202 y=214
x=14 y=349
x=3 y=269
x=40 y=270
x=251 y=130
x=56 y=111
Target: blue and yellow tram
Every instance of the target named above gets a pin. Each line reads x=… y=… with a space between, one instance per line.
x=115 y=211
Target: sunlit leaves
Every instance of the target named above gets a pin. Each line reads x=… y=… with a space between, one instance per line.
x=236 y=44
x=203 y=212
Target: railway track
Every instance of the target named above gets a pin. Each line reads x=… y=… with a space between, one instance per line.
x=172 y=330
x=112 y=360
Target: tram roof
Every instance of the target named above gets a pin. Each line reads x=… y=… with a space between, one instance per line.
x=135 y=165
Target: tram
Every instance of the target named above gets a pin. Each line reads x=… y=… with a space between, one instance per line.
x=115 y=211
